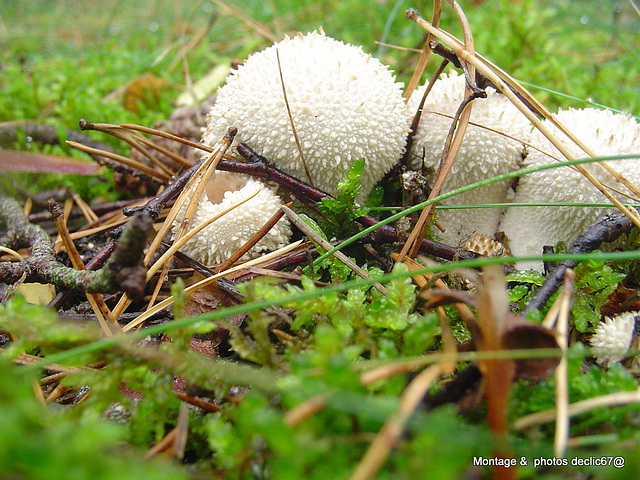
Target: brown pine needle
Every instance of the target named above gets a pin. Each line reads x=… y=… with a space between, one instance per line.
x=564 y=302
x=255 y=238
x=293 y=126
x=306 y=409
x=392 y=429
x=134 y=139
x=103 y=228
x=163 y=444
x=609 y=400
x=88 y=213
x=37 y=391
x=97 y=304
x=126 y=161
x=208 y=281
x=398 y=47
x=177 y=158
x=254 y=24
x=165 y=260
x=452 y=143
x=452 y=146
x=193 y=189
x=424 y=55
x=56 y=393
x=168 y=136
x=178 y=243
x=182 y=430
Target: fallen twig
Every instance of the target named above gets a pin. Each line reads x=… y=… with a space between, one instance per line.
x=607 y=229
x=123 y=270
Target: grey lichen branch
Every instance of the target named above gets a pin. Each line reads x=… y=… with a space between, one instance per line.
x=124 y=271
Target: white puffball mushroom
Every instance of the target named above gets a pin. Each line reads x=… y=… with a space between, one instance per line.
x=613 y=338
x=605 y=133
x=482 y=155
x=345 y=104
x=218 y=241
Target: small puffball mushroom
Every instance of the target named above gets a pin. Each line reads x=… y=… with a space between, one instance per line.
x=218 y=241
x=613 y=338
x=605 y=133
x=483 y=154
x=345 y=105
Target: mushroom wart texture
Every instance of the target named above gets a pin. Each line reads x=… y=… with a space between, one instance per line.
x=224 y=236
x=605 y=133
x=485 y=152
x=614 y=336
x=345 y=105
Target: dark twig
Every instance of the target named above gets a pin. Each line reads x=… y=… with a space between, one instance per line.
x=98 y=260
x=444 y=52
x=309 y=195
x=123 y=319
x=101 y=209
x=607 y=229
x=451 y=146
x=205 y=271
x=258 y=166
x=481 y=80
x=154 y=206
x=123 y=270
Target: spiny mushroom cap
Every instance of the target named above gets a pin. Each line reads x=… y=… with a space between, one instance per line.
x=482 y=155
x=605 y=133
x=613 y=336
x=223 y=237
x=345 y=104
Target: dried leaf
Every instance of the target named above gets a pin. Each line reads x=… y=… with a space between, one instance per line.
x=522 y=334
x=205 y=300
x=37 y=293
x=621 y=299
x=34 y=162
x=145 y=88
x=518 y=334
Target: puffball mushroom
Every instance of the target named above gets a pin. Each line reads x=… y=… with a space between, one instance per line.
x=483 y=154
x=605 y=133
x=218 y=241
x=613 y=337
x=345 y=105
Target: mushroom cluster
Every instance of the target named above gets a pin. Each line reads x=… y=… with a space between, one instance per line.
x=494 y=144
x=312 y=105
x=345 y=105
x=490 y=147
x=602 y=131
